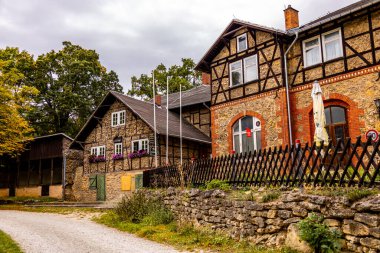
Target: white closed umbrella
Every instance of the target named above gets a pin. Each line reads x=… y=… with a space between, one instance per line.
x=319 y=116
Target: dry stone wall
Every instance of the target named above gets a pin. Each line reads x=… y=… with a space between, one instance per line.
x=274 y=223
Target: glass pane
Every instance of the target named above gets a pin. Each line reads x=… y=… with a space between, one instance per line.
x=328 y=116
x=144 y=145
x=237 y=78
x=332 y=50
x=338 y=115
x=331 y=36
x=122 y=118
x=258 y=140
x=114 y=119
x=312 y=43
x=242 y=43
x=249 y=61
x=101 y=151
x=339 y=132
x=236 y=127
x=312 y=56
x=246 y=122
x=247 y=143
x=135 y=146
x=250 y=73
x=236 y=66
x=236 y=144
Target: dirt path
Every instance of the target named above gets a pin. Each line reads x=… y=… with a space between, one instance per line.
x=44 y=232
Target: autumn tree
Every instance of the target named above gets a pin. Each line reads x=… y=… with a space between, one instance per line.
x=182 y=75
x=71 y=83
x=16 y=96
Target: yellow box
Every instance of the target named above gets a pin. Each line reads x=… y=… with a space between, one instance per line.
x=126 y=182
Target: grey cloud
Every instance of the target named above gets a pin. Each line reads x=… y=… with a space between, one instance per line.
x=132 y=37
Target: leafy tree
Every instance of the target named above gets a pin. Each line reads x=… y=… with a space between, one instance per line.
x=16 y=96
x=183 y=75
x=71 y=82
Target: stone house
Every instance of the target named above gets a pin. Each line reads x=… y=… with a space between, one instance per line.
x=118 y=141
x=250 y=66
x=43 y=169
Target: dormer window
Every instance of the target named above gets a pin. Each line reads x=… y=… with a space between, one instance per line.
x=242 y=42
x=118 y=118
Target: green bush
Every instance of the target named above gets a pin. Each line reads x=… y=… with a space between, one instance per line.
x=218 y=184
x=318 y=235
x=139 y=207
x=271 y=196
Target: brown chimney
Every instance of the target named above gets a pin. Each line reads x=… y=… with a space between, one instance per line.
x=291 y=18
x=158 y=100
x=206 y=79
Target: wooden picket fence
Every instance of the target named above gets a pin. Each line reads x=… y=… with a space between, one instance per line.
x=345 y=164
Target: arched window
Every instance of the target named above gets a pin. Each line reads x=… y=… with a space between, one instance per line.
x=241 y=142
x=336 y=122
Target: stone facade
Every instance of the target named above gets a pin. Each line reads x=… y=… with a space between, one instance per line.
x=135 y=128
x=273 y=223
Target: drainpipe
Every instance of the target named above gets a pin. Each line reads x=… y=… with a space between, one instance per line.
x=287 y=90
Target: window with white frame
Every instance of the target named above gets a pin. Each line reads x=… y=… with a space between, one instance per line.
x=312 y=51
x=118 y=118
x=98 y=151
x=244 y=70
x=118 y=149
x=142 y=144
x=236 y=73
x=243 y=143
x=250 y=68
x=242 y=42
x=332 y=45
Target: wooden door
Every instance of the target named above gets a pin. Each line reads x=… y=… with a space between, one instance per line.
x=100 y=187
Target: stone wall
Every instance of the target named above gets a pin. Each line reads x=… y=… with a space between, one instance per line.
x=273 y=223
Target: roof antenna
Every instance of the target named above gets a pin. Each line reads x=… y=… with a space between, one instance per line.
x=233 y=15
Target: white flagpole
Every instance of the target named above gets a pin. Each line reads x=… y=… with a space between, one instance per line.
x=154 y=120
x=167 y=120
x=180 y=121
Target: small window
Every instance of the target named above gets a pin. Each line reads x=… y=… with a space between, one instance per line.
x=250 y=68
x=332 y=45
x=142 y=144
x=118 y=148
x=242 y=42
x=98 y=151
x=118 y=118
x=312 y=51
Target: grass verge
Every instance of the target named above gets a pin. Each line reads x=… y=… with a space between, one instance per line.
x=184 y=236
x=50 y=209
x=7 y=245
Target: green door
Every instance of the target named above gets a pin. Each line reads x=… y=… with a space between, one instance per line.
x=100 y=188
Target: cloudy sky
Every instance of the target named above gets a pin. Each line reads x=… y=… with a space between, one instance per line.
x=134 y=36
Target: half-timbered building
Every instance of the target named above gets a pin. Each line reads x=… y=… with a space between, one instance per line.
x=119 y=143
x=252 y=65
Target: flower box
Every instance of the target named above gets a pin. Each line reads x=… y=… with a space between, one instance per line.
x=117 y=157
x=136 y=154
x=96 y=159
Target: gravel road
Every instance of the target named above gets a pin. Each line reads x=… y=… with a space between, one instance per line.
x=44 y=232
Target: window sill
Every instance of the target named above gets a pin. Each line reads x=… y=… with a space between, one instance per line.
x=243 y=84
x=322 y=63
